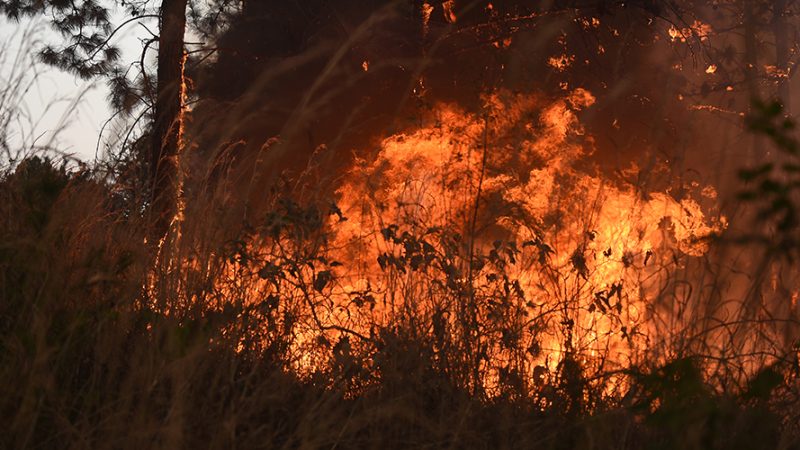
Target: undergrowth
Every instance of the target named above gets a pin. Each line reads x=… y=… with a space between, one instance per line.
x=102 y=348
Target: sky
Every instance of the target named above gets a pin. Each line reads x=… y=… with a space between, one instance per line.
x=63 y=110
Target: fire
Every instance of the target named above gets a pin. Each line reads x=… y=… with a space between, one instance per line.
x=489 y=232
x=449 y=13
x=470 y=199
x=697 y=30
x=561 y=62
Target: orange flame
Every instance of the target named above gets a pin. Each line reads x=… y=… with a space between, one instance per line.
x=494 y=222
x=590 y=248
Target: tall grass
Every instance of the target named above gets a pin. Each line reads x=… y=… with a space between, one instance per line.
x=101 y=350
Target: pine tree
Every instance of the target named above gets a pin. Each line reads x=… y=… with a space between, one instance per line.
x=87 y=52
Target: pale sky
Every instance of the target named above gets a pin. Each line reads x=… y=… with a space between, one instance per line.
x=58 y=100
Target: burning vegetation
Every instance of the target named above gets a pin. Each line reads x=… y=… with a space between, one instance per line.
x=460 y=224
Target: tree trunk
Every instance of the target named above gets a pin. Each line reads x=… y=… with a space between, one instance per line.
x=750 y=50
x=781 y=34
x=167 y=125
x=751 y=71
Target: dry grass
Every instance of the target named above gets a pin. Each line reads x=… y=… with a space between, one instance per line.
x=101 y=351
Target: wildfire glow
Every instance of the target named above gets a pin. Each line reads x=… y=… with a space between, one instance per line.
x=494 y=233
x=578 y=254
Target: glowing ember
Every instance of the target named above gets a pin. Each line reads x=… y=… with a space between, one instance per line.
x=561 y=62
x=449 y=13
